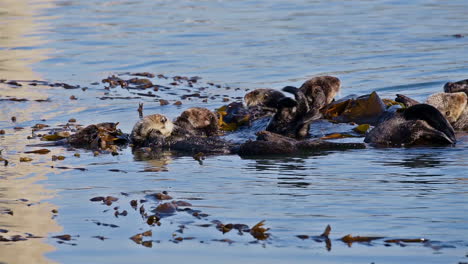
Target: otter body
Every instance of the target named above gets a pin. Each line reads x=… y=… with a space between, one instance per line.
x=420 y=124
x=151 y=128
x=462 y=123
x=186 y=134
x=454 y=106
x=321 y=90
x=293 y=117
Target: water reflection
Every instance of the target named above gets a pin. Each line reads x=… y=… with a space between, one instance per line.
x=24 y=197
x=430 y=159
x=18 y=47
x=276 y=163
x=20 y=190
x=155 y=161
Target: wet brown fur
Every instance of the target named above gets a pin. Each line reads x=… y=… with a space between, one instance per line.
x=155 y=125
x=263 y=97
x=451 y=105
x=293 y=119
x=198 y=121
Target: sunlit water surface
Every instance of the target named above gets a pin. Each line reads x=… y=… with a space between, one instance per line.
x=389 y=46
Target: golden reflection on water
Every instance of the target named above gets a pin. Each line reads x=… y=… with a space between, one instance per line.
x=19 y=180
x=18 y=45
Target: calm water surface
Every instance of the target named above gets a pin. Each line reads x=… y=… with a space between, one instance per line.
x=388 y=46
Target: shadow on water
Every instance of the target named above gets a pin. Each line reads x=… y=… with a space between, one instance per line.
x=430 y=160
x=155 y=161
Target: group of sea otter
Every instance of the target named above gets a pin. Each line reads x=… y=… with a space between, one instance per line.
x=399 y=122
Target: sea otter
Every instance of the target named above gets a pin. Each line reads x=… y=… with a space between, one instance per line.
x=454 y=106
x=264 y=98
x=157 y=131
x=451 y=105
x=151 y=128
x=293 y=117
x=198 y=121
x=321 y=90
x=421 y=124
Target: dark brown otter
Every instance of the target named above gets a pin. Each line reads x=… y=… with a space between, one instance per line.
x=421 y=124
x=405 y=100
x=198 y=121
x=454 y=106
x=321 y=90
x=263 y=97
x=293 y=117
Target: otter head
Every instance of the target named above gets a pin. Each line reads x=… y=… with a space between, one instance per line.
x=263 y=97
x=451 y=105
x=156 y=123
x=199 y=117
x=322 y=86
x=199 y=121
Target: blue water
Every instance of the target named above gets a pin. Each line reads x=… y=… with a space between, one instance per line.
x=388 y=46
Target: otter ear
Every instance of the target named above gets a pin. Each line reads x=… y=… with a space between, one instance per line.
x=286 y=102
x=290 y=89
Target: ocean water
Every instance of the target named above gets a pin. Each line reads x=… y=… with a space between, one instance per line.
x=409 y=47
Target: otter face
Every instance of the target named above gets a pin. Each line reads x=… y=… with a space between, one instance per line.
x=328 y=85
x=451 y=105
x=198 y=121
x=155 y=124
x=253 y=98
x=263 y=97
x=199 y=117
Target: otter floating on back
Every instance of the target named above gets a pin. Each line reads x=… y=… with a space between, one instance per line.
x=454 y=106
x=151 y=128
x=421 y=124
x=192 y=132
